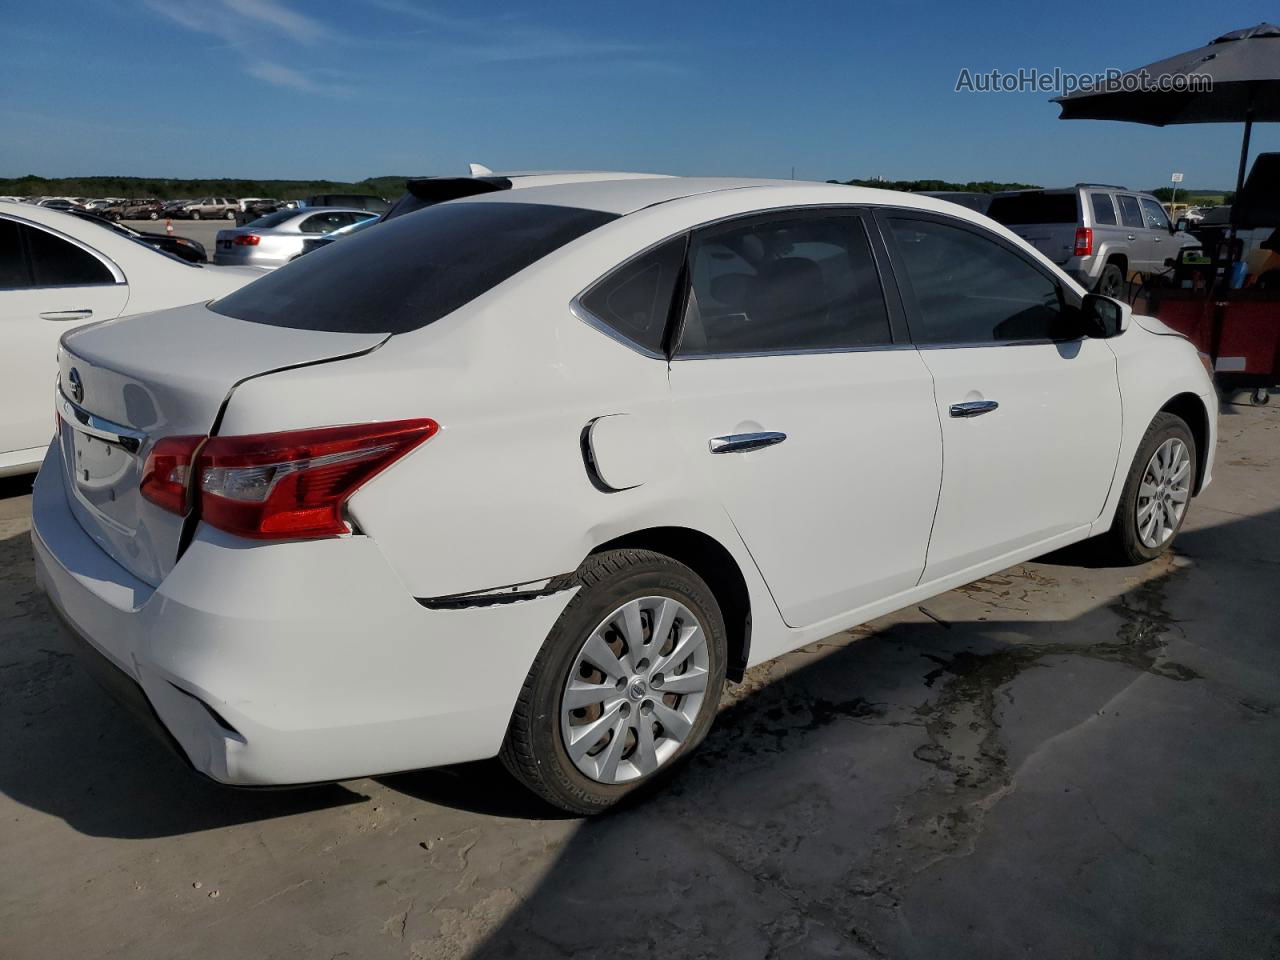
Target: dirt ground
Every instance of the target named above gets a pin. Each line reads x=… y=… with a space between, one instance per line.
x=1069 y=761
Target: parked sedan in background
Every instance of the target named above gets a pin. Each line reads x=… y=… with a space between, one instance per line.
x=277 y=238
x=184 y=248
x=57 y=272
x=682 y=426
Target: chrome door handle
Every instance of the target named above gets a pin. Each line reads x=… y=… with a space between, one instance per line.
x=742 y=442
x=973 y=408
x=1132 y=237
x=67 y=315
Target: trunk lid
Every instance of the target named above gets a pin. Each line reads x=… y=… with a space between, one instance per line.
x=126 y=383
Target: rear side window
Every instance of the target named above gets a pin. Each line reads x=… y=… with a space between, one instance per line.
x=1130 y=213
x=13 y=263
x=1104 y=210
x=1034 y=207
x=410 y=271
x=635 y=300
x=57 y=263
x=971 y=290
x=772 y=286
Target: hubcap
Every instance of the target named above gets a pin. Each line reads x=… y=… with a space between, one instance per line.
x=1163 y=493
x=635 y=690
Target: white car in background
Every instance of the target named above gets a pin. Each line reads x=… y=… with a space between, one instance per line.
x=531 y=472
x=58 y=272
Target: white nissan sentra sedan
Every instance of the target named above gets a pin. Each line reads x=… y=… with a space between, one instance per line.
x=531 y=473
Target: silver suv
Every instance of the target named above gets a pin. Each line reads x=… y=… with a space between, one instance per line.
x=1101 y=235
x=212 y=208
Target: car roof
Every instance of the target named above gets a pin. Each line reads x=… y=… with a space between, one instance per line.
x=627 y=196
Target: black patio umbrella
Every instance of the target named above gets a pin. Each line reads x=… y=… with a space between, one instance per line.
x=1243 y=68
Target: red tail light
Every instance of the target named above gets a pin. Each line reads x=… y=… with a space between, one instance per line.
x=1084 y=241
x=167 y=471
x=282 y=486
x=246 y=240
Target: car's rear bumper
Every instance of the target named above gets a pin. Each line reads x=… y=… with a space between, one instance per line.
x=290 y=663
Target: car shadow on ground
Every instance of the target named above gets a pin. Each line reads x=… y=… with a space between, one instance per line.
x=835 y=810
x=833 y=781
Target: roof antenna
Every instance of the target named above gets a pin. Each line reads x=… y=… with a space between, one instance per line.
x=480 y=170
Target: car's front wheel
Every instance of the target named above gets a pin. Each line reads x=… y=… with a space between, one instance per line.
x=195 y=214
x=1157 y=491
x=627 y=683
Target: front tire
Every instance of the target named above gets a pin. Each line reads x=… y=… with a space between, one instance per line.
x=1156 y=494
x=625 y=686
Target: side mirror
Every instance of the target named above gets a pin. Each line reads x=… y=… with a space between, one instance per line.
x=1104 y=317
x=1180 y=226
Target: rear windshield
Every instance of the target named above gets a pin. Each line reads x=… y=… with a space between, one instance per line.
x=411 y=271
x=1034 y=208
x=273 y=219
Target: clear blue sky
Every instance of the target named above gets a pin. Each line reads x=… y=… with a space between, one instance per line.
x=310 y=88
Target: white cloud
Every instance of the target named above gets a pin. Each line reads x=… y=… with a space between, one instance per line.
x=258 y=30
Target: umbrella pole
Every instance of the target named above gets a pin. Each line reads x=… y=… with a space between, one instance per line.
x=1244 y=154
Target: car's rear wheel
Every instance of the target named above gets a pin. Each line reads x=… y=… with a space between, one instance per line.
x=627 y=683
x=153 y=215
x=231 y=215
x=1157 y=491
x=1111 y=283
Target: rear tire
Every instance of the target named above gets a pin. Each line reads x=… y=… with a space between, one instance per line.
x=1111 y=283
x=1156 y=493
x=231 y=215
x=636 y=611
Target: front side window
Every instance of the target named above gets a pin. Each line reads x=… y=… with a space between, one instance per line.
x=800 y=283
x=1156 y=218
x=58 y=263
x=635 y=299
x=972 y=290
x=13 y=262
x=411 y=271
x=1104 y=211
x=1130 y=214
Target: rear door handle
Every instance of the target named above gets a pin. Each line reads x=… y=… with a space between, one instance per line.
x=67 y=315
x=1132 y=237
x=741 y=442
x=973 y=408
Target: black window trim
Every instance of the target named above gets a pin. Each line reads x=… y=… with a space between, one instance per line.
x=118 y=277
x=1067 y=297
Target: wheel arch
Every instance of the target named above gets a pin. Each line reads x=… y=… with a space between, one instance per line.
x=1121 y=261
x=709 y=559
x=1191 y=410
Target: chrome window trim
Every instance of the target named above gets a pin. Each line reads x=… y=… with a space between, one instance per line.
x=591 y=320
x=806 y=352
x=102 y=258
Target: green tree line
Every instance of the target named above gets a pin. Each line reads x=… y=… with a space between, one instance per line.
x=937 y=186
x=174 y=188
